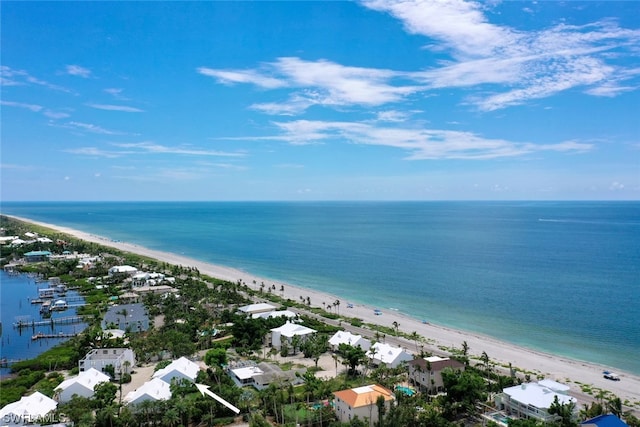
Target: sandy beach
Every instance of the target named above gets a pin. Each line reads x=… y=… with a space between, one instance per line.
x=571 y=372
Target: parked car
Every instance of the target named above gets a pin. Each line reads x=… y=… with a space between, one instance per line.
x=611 y=376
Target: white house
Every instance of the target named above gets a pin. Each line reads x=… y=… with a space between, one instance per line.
x=122 y=359
x=32 y=409
x=155 y=389
x=261 y=307
x=361 y=402
x=532 y=400
x=182 y=368
x=388 y=355
x=279 y=313
x=122 y=269
x=345 y=337
x=82 y=385
x=286 y=332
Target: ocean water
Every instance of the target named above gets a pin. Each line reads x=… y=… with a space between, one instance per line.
x=561 y=277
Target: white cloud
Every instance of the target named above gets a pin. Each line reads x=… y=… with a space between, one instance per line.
x=319 y=82
x=242 y=76
x=616 y=186
x=33 y=107
x=420 y=144
x=94 y=152
x=116 y=93
x=11 y=77
x=110 y=107
x=76 y=70
x=56 y=114
x=521 y=65
x=150 y=147
x=86 y=127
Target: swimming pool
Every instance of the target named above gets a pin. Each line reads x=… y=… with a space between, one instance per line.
x=406 y=390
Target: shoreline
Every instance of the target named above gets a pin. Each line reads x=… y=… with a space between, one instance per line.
x=559 y=368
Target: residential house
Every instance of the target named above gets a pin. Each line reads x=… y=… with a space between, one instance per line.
x=261 y=375
x=426 y=373
x=32 y=409
x=155 y=389
x=388 y=355
x=182 y=368
x=122 y=269
x=606 y=420
x=286 y=332
x=345 y=337
x=81 y=385
x=277 y=313
x=128 y=317
x=122 y=359
x=532 y=400
x=261 y=307
x=361 y=402
x=37 y=256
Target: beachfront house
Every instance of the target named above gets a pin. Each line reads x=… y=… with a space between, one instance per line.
x=345 y=337
x=259 y=376
x=387 y=355
x=33 y=409
x=179 y=369
x=81 y=385
x=252 y=309
x=122 y=359
x=532 y=400
x=426 y=373
x=276 y=313
x=122 y=269
x=286 y=332
x=155 y=389
x=128 y=317
x=361 y=402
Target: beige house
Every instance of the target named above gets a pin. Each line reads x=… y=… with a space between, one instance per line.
x=426 y=373
x=361 y=402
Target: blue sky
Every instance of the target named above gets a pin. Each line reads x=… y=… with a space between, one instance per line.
x=373 y=100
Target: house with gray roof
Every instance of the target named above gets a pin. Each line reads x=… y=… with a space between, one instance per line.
x=128 y=317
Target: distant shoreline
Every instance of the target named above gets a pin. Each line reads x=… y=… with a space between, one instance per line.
x=538 y=363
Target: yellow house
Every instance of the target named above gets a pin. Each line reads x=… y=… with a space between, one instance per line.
x=361 y=402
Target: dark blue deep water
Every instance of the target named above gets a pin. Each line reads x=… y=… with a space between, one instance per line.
x=561 y=277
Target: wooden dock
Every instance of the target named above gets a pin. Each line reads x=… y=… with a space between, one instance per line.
x=69 y=320
x=41 y=335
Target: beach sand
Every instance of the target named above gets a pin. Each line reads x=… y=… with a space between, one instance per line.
x=571 y=372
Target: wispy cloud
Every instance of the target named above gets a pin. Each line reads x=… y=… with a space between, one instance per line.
x=32 y=107
x=116 y=93
x=77 y=70
x=505 y=66
x=95 y=152
x=110 y=107
x=86 y=127
x=319 y=82
x=56 y=114
x=420 y=144
x=11 y=77
x=151 y=147
x=522 y=65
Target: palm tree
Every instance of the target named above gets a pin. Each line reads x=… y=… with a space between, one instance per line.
x=337 y=304
x=395 y=326
x=415 y=336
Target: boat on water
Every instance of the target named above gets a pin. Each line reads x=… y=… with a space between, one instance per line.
x=59 y=305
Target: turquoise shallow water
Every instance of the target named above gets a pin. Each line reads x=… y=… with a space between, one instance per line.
x=558 y=277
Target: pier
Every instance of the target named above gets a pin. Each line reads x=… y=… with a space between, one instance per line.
x=69 y=320
x=41 y=335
